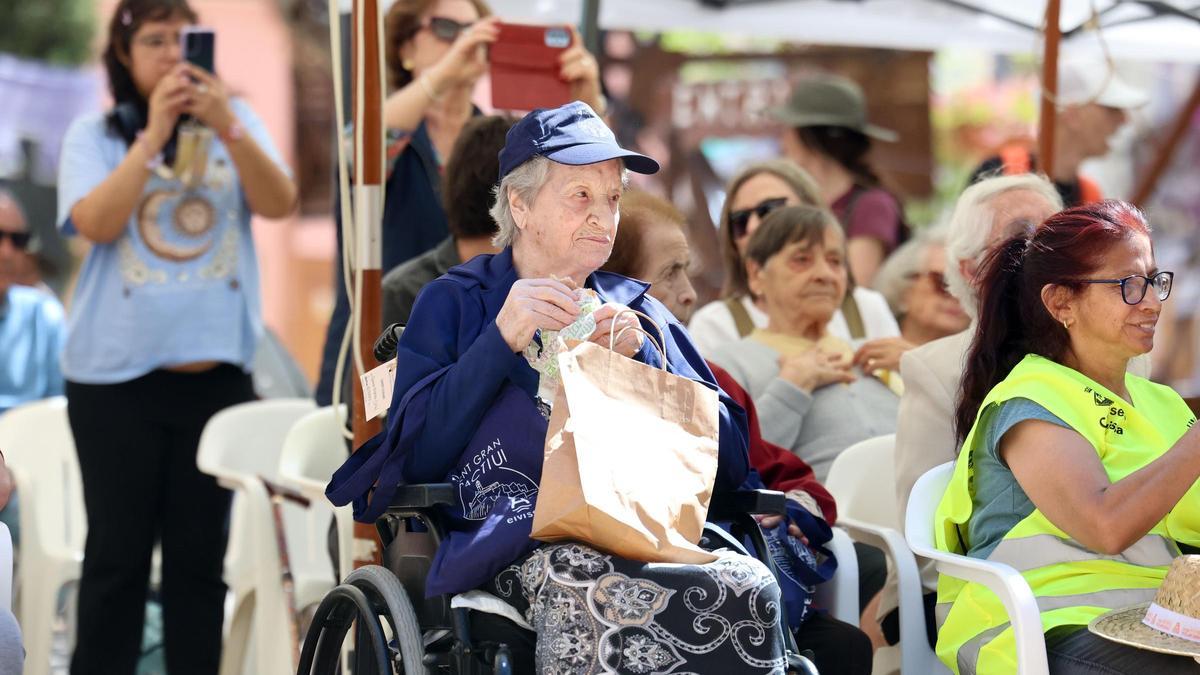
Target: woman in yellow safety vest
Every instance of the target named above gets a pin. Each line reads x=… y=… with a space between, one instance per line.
x=1079 y=475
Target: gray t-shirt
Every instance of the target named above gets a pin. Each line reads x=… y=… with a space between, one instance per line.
x=998 y=502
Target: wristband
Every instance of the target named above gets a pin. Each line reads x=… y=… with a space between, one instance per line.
x=233 y=132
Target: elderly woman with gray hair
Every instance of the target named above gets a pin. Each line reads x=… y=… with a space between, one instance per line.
x=467 y=412
x=913 y=280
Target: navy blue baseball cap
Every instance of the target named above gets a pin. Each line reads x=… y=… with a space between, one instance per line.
x=568 y=134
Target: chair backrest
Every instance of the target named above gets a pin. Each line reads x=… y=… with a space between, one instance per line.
x=246 y=439
x=922 y=504
x=313 y=449
x=39 y=449
x=862 y=480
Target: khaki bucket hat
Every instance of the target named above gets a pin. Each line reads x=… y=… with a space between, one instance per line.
x=829 y=101
x=1170 y=624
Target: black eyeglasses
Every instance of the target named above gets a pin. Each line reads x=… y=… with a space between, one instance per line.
x=446 y=30
x=19 y=239
x=739 y=220
x=1133 y=292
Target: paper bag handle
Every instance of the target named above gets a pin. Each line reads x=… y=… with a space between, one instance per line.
x=658 y=344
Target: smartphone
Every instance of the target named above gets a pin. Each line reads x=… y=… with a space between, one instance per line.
x=199 y=44
x=524 y=67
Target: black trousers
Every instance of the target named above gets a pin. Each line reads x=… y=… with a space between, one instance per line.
x=137 y=445
x=837 y=647
x=1073 y=650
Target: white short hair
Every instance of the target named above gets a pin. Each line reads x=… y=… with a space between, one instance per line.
x=898 y=274
x=525 y=181
x=971 y=224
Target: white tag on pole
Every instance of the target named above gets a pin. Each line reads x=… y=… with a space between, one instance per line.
x=377 y=386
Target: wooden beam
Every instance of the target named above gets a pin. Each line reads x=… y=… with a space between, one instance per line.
x=1049 y=108
x=1167 y=147
x=367 y=95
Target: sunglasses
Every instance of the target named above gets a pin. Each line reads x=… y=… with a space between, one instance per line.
x=446 y=30
x=1134 y=286
x=19 y=240
x=938 y=279
x=739 y=220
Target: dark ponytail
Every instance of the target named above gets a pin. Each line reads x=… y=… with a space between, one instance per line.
x=844 y=146
x=1013 y=319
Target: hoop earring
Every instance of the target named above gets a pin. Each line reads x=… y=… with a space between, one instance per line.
x=1066 y=324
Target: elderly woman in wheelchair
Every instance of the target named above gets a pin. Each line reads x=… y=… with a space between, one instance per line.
x=467 y=414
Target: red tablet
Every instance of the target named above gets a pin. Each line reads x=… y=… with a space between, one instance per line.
x=524 y=67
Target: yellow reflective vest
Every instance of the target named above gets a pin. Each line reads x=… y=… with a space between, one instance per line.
x=1072 y=584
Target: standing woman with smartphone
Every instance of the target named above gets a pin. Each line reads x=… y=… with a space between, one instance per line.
x=436 y=51
x=162 y=330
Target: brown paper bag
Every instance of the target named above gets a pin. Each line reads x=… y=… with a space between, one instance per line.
x=630 y=459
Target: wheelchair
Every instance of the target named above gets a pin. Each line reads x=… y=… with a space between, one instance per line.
x=400 y=631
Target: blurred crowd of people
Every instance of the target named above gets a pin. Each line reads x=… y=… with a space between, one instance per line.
x=839 y=321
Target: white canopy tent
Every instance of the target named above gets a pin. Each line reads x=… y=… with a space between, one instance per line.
x=1168 y=30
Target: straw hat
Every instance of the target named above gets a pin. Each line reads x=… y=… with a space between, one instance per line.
x=1170 y=624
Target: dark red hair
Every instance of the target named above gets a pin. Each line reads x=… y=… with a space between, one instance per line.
x=1013 y=320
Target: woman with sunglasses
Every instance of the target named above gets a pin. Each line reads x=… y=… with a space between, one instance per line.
x=914 y=282
x=755 y=191
x=436 y=51
x=1077 y=473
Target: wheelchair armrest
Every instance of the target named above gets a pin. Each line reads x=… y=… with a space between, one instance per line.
x=730 y=505
x=423 y=496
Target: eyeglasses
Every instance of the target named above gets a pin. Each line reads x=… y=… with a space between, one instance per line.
x=157 y=42
x=740 y=220
x=19 y=239
x=1132 y=292
x=446 y=30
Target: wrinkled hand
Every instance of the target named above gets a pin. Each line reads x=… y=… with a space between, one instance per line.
x=579 y=68
x=881 y=354
x=814 y=369
x=466 y=60
x=167 y=102
x=208 y=101
x=532 y=305
x=615 y=319
x=772 y=521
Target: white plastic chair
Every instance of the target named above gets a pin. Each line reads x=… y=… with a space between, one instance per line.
x=39 y=449
x=1001 y=579
x=6 y=567
x=241 y=446
x=839 y=595
x=312 y=450
x=863 y=482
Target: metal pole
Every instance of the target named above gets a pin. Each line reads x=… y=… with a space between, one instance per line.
x=367 y=95
x=1166 y=149
x=589 y=26
x=1049 y=110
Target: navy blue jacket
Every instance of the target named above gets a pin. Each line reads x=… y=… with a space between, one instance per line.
x=453 y=324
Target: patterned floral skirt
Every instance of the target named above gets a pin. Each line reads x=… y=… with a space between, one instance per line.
x=595 y=613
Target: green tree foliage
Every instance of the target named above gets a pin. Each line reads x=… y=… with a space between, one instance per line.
x=54 y=31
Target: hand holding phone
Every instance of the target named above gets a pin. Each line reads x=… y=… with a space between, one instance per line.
x=199 y=46
x=526 y=71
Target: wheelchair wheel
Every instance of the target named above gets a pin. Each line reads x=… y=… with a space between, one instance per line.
x=334 y=616
x=390 y=601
